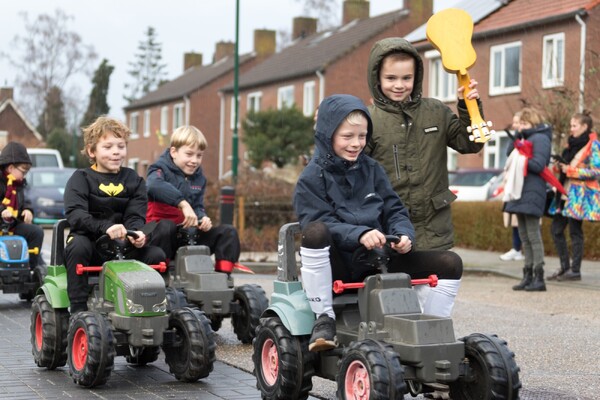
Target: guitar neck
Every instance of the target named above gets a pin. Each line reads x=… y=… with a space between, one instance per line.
x=472 y=107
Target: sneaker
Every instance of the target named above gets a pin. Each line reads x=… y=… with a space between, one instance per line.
x=511 y=255
x=555 y=275
x=569 y=275
x=323 y=334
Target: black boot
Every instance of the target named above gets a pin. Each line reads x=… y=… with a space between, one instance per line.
x=537 y=285
x=527 y=278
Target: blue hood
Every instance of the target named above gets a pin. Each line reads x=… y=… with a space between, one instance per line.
x=332 y=112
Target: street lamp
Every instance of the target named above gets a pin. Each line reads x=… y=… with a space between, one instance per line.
x=236 y=67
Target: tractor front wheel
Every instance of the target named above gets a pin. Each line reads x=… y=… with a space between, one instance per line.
x=252 y=302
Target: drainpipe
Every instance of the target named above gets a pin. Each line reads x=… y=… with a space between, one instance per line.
x=582 y=60
x=221 y=134
x=321 y=86
x=186 y=99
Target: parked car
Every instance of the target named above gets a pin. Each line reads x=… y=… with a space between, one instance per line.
x=45 y=189
x=45 y=157
x=476 y=184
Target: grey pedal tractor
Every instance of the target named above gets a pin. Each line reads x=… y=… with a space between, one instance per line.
x=127 y=316
x=194 y=281
x=387 y=347
x=16 y=274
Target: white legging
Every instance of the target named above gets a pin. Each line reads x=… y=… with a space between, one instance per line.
x=316 y=279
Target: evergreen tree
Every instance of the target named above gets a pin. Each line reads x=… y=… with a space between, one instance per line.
x=98 y=105
x=280 y=136
x=148 y=71
x=53 y=116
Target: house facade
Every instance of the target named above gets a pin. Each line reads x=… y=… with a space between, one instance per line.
x=190 y=99
x=14 y=126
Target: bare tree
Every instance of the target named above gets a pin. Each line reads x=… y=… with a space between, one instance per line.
x=47 y=56
x=326 y=11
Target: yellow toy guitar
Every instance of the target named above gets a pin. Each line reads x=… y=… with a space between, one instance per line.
x=450 y=32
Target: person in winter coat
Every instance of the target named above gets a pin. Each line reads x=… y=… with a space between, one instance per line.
x=345 y=202
x=15 y=208
x=529 y=208
x=579 y=171
x=410 y=139
x=176 y=187
x=104 y=198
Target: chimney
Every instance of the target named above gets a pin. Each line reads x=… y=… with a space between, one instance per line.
x=223 y=49
x=303 y=27
x=192 y=60
x=355 y=9
x=264 y=42
x=6 y=93
x=420 y=11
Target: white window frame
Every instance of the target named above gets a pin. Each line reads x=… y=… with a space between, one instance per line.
x=501 y=88
x=253 y=102
x=133 y=163
x=164 y=120
x=442 y=85
x=134 y=124
x=147 y=123
x=553 y=60
x=494 y=151
x=178 y=115
x=308 y=100
x=283 y=93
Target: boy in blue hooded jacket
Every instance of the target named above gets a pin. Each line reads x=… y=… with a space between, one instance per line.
x=344 y=201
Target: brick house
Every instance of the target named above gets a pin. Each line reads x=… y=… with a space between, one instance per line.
x=317 y=64
x=190 y=99
x=528 y=52
x=14 y=126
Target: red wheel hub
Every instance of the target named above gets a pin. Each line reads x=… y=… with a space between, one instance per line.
x=269 y=361
x=356 y=383
x=80 y=349
x=39 y=332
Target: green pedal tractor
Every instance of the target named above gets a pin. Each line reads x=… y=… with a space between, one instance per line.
x=387 y=346
x=127 y=316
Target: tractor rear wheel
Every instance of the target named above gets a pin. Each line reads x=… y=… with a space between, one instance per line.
x=48 y=329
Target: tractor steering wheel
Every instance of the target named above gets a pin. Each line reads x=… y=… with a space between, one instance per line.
x=115 y=248
x=378 y=258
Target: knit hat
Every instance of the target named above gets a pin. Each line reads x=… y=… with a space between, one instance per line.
x=14 y=153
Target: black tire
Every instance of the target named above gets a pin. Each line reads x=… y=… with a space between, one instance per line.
x=91 y=349
x=145 y=355
x=49 y=328
x=215 y=322
x=175 y=299
x=493 y=373
x=372 y=370
x=283 y=366
x=192 y=355
x=252 y=302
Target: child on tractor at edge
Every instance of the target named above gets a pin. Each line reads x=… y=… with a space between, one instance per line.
x=344 y=201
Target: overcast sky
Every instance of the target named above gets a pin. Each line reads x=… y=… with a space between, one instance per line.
x=115 y=27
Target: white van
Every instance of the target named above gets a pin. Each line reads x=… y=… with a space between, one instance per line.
x=45 y=158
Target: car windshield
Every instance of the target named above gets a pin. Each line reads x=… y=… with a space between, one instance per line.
x=50 y=179
x=475 y=178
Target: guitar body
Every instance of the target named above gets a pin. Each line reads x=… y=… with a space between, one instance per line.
x=450 y=32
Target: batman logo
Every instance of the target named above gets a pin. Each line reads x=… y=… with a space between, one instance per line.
x=111 y=189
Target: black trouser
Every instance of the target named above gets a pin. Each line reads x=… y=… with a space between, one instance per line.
x=418 y=264
x=223 y=240
x=559 y=224
x=34 y=235
x=81 y=250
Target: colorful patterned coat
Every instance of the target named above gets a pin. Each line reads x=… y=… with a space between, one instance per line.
x=583 y=184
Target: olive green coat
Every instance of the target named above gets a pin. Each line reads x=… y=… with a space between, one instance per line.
x=410 y=140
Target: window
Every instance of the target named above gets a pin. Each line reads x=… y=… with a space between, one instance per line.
x=134 y=124
x=442 y=85
x=505 y=65
x=177 y=115
x=147 y=123
x=254 y=101
x=553 y=67
x=494 y=151
x=285 y=97
x=308 y=102
x=164 y=120
x=133 y=163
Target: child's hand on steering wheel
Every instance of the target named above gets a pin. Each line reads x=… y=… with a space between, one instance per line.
x=205 y=224
x=138 y=241
x=372 y=239
x=403 y=246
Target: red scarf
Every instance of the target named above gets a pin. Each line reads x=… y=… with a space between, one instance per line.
x=10 y=197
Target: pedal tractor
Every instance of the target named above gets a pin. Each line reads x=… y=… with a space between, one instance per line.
x=16 y=275
x=197 y=283
x=127 y=316
x=387 y=347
